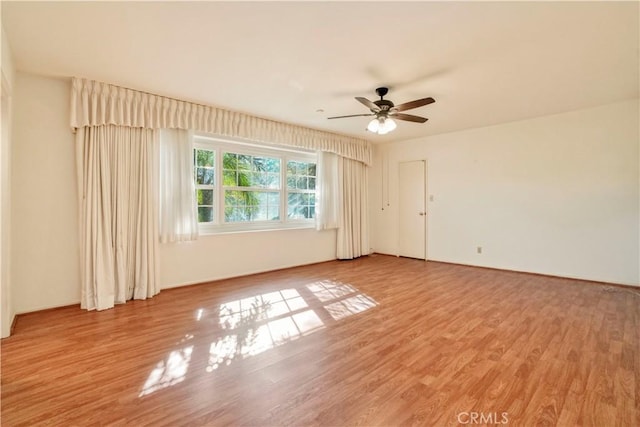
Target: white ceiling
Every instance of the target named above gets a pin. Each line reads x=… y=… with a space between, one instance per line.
x=484 y=63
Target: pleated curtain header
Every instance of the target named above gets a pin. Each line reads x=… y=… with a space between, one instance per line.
x=96 y=104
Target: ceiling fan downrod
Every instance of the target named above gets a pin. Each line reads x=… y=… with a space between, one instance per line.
x=382 y=91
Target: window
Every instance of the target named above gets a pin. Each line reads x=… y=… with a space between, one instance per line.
x=205 y=182
x=301 y=186
x=244 y=187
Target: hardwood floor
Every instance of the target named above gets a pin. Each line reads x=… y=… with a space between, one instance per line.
x=375 y=341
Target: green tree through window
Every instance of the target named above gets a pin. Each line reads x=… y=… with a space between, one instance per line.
x=247 y=180
x=205 y=183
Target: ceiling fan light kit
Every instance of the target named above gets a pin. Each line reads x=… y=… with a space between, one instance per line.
x=381 y=125
x=385 y=111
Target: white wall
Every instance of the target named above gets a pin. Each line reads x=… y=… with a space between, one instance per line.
x=7 y=78
x=220 y=256
x=45 y=239
x=45 y=257
x=556 y=195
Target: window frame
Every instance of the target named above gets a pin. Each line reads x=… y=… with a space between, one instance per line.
x=224 y=145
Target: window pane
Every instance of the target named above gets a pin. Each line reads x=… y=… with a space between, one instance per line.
x=293 y=212
x=232 y=214
x=273 y=213
x=205 y=214
x=301 y=205
x=295 y=206
x=234 y=198
x=301 y=183
x=229 y=178
x=204 y=176
x=230 y=161
x=291 y=183
x=256 y=179
x=244 y=162
x=273 y=180
x=261 y=198
x=293 y=199
x=244 y=178
x=301 y=212
x=274 y=199
x=259 y=214
x=291 y=168
x=259 y=164
x=239 y=213
x=301 y=177
x=251 y=212
x=205 y=197
x=205 y=158
x=273 y=165
x=243 y=206
x=241 y=170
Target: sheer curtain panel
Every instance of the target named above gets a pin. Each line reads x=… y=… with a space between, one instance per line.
x=178 y=219
x=117 y=180
x=327 y=211
x=353 y=220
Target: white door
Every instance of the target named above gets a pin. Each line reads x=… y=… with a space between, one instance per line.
x=412 y=206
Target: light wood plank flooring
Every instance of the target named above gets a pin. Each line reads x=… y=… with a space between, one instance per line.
x=375 y=341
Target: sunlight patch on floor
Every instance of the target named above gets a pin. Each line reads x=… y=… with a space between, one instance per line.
x=168 y=372
x=251 y=341
x=350 y=306
x=262 y=322
x=327 y=290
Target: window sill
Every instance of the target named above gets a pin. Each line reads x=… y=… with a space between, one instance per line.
x=212 y=230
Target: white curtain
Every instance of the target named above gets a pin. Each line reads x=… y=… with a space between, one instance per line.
x=328 y=189
x=178 y=218
x=117 y=180
x=96 y=104
x=353 y=220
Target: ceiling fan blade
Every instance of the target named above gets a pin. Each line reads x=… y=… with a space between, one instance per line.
x=414 y=104
x=353 y=115
x=370 y=105
x=409 y=117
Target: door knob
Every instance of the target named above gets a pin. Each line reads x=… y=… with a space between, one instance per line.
x=422 y=213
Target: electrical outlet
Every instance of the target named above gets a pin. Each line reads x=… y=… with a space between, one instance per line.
x=479 y=249
x=431 y=198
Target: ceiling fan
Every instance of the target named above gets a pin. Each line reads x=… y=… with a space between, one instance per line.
x=385 y=111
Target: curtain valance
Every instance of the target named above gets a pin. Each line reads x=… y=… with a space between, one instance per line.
x=95 y=104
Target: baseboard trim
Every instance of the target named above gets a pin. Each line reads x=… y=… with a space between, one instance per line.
x=533 y=273
x=13 y=324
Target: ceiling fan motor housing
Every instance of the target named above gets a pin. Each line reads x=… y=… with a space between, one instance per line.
x=384 y=104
